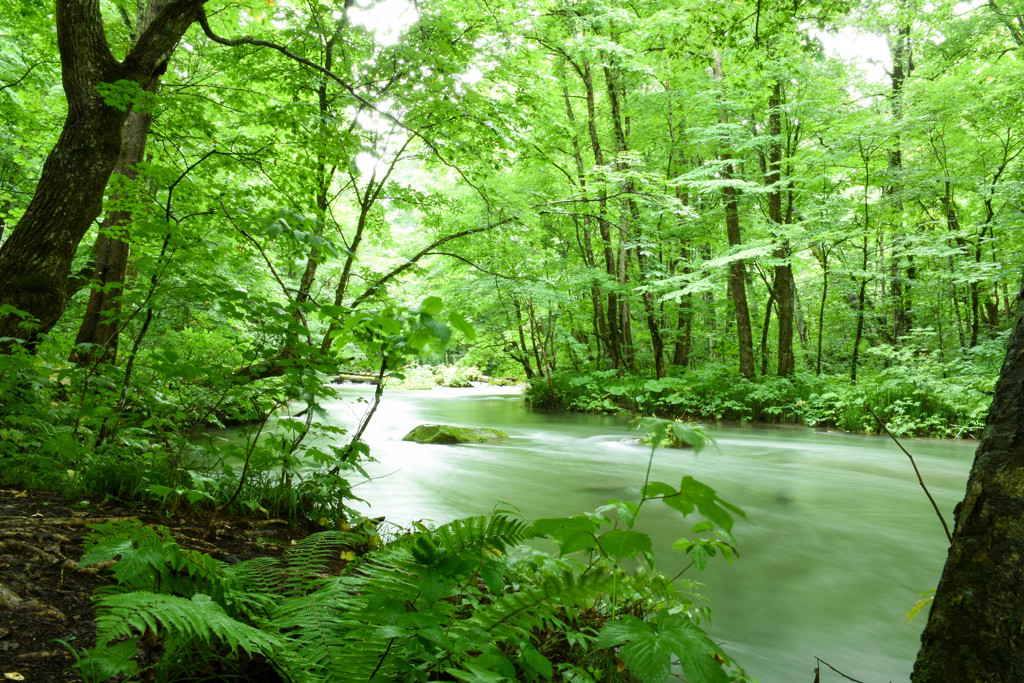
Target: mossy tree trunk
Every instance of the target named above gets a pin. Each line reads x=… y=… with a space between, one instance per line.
x=35 y=261
x=975 y=630
x=101 y=323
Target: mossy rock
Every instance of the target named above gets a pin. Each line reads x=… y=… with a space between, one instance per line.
x=451 y=434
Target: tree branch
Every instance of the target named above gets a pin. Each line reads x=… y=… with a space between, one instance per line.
x=372 y=289
x=157 y=42
x=247 y=40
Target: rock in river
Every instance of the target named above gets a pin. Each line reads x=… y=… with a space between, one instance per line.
x=450 y=434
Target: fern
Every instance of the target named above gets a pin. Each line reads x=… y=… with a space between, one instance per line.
x=318 y=625
x=150 y=559
x=490 y=535
x=307 y=562
x=388 y=610
x=184 y=619
x=445 y=602
x=555 y=589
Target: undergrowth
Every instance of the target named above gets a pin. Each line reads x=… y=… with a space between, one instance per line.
x=76 y=429
x=910 y=401
x=466 y=601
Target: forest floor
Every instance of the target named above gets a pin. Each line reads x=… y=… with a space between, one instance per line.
x=45 y=598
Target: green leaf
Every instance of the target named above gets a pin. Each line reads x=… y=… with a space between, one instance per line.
x=475 y=674
x=691 y=495
x=103 y=663
x=620 y=543
x=655 y=427
x=647 y=647
x=432 y=585
x=419 y=339
x=432 y=305
x=462 y=325
x=576 y=542
x=438 y=329
x=538 y=662
x=572 y=533
x=690 y=435
x=658 y=488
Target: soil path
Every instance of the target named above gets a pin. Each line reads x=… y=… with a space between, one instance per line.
x=45 y=597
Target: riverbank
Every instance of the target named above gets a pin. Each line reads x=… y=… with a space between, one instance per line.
x=801 y=490
x=909 y=405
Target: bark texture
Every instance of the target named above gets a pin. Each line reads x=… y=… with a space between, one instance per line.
x=975 y=630
x=36 y=260
x=101 y=322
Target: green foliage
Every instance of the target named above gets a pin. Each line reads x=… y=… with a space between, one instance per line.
x=432 y=376
x=39 y=443
x=454 y=600
x=647 y=647
x=913 y=398
x=120 y=94
x=678 y=435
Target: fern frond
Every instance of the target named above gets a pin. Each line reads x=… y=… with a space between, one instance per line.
x=486 y=534
x=305 y=563
x=144 y=552
x=150 y=559
x=258 y=574
x=324 y=631
x=555 y=589
x=197 y=620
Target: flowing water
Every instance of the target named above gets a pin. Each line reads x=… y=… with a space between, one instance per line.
x=838 y=541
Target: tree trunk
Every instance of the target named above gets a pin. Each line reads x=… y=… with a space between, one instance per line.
x=764 y=332
x=524 y=357
x=900 y=53
x=821 y=308
x=102 y=320
x=975 y=630
x=612 y=310
x=684 y=333
x=35 y=261
x=861 y=302
x=784 y=287
x=600 y=324
x=785 y=295
x=737 y=269
x=684 y=322
x=324 y=177
x=631 y=212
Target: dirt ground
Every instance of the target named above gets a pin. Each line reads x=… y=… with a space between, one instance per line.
x=45 y=598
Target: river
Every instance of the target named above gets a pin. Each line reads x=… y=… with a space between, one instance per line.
x=838 y=540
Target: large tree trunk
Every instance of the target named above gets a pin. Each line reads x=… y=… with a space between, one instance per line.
x=101 y=323
x=35 y=261
x=975 y=630
x=785 y=294
x=737 y=282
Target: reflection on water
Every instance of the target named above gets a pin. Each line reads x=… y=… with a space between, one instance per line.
x=838 y=541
